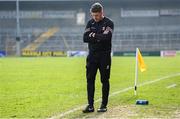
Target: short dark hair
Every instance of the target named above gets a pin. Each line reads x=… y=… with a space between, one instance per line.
x=96 y=7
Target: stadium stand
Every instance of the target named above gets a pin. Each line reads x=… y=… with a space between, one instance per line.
x=147 y=25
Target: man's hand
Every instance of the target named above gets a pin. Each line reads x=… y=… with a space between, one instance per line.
x=92 y=34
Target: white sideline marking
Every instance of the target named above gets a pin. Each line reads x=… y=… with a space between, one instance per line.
x=171 y=86
x=113 y=94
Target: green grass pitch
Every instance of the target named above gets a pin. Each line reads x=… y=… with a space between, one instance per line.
x=45 y=87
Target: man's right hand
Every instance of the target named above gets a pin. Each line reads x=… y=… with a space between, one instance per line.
x=92 y=34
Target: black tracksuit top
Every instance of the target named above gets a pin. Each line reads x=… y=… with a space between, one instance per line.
x=103 y=30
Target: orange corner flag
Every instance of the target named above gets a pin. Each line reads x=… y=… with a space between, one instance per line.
x=141 y=63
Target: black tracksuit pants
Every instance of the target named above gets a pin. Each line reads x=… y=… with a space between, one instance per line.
x=95 y=61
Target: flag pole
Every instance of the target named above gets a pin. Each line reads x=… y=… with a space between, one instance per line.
x=136 y=73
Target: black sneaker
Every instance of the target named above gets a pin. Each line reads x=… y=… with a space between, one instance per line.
x=102 y=108
x=88 y=109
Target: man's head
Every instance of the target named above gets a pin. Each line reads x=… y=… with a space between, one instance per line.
x=97 y=12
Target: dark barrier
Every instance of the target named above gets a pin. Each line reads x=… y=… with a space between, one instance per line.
x=129 y=53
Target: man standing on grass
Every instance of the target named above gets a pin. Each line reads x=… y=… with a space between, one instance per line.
x=98 y=35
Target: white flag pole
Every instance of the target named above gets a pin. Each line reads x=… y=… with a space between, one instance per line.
x=136 y=73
